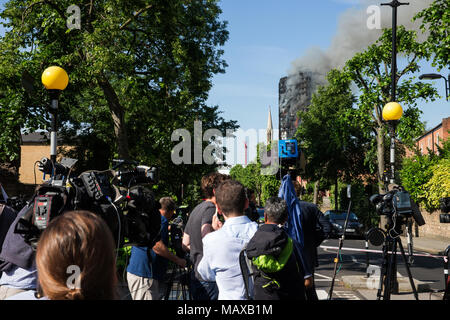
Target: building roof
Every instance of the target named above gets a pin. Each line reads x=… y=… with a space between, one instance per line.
x=38 y=138
x=35 y=138
x=431 y=130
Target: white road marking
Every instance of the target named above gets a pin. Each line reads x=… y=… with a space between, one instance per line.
x=322 y=294
x=323 y=278
x=347 y=295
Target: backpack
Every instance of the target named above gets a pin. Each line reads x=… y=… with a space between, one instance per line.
x=247 y=273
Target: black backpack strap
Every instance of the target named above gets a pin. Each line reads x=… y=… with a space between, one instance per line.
x=246 y=271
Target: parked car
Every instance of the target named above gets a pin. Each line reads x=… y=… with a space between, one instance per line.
x=337 y=219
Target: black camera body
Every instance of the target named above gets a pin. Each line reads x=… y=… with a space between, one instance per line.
x=445 y=208
x=131 y=212
x=398 y=206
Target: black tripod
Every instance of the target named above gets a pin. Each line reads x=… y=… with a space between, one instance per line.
x=177 y=285
x=389 y=267
x=341 y=242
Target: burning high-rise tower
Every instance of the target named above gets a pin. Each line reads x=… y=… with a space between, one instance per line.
x=295 y=93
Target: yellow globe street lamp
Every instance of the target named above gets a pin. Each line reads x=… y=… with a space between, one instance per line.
x=54 y=79
x=392 y=112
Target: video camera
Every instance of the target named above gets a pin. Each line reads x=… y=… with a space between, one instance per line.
x=122 y=198
x=445 y=208
x=398 y=206
x=176 y=230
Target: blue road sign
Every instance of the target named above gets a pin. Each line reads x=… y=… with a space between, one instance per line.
x=288 y=148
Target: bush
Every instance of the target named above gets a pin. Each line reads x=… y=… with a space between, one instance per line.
x=270 y=187
x=415 y=174
x=438 y=186
x=427 y=177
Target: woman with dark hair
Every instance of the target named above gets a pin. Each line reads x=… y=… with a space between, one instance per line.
x=75 y=259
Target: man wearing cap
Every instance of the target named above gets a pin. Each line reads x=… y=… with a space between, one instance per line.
x=145 y=276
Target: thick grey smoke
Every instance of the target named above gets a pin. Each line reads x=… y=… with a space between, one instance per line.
x=353 y=36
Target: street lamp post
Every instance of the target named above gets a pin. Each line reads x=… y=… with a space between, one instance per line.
x=433 y=76
x=392 y=112
x=394 y=4
x=54 y=79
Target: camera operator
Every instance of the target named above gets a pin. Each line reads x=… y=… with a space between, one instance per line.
x=145 y=275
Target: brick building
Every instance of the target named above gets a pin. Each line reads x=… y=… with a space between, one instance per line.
x=35 y=146
x=430 y=139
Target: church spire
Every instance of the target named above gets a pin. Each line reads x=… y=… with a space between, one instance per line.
x=269 y=128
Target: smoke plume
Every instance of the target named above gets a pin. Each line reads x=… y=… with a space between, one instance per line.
x=353 y=36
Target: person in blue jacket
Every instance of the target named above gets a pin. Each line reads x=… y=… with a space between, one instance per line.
x=147 y=268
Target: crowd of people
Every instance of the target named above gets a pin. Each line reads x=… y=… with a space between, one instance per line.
x=76 y=255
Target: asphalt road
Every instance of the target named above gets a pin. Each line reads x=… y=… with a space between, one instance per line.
x=426 y=269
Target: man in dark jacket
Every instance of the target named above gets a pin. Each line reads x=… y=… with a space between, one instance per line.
x=277 y=275
x=315 y=229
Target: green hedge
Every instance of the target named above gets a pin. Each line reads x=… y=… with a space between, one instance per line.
x=438 y=186
x=427 y=177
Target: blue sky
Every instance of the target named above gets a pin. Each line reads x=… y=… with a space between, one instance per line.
x=266 y=36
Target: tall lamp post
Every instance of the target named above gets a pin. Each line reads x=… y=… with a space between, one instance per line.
x=54 y=79
x=394 y=4
x=433 y=76
x=392 y=111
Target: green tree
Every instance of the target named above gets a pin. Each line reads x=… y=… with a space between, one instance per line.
x=426 y=177
x=370 y=71
x=253 y=177
x=436 y=23
x=330 y=133
x=439 y=185
x=415 y=173
x=138 y=70
x=361 y=206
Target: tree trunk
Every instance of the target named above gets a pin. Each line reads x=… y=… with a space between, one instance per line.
x=118 y=117
x=380 y=158
x=316 y=192
x=336 y=195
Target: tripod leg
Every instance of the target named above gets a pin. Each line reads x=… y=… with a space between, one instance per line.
x=336 y=260
x=411 y=281
x=334 y=277
x=169 y=285
x=383 y=270
x=390 y=270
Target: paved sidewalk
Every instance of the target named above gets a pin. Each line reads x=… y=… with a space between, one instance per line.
x=367 y=287
x=429 y=245
x=372 y=295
